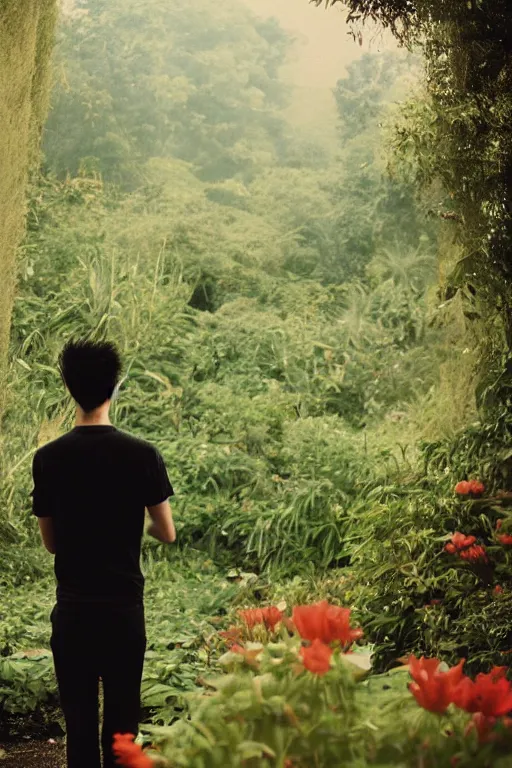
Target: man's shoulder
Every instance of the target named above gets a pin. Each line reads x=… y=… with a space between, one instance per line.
x=118 y=436
x=54 y=445
x=133 y=440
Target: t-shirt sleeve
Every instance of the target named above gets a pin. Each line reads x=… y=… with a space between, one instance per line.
x=157 y=487
x=41 y=504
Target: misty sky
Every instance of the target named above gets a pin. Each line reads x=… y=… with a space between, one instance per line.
x=323 y=50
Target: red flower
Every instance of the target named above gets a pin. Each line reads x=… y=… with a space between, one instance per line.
x=272 y=616
x=499 y=523
x=459 y=541
x=498 y=589
x=490 y=694
x=505 y=539
x=129 y=754
x=317 y=657
x=326 y=623
x=474 y=554
x=476 y=487
x=252 y=616
x=267 y=616
x=431 y=688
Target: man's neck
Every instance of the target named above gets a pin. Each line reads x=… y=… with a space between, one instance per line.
x=97 y=418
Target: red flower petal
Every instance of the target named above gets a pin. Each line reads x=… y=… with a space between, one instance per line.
x=490 y=694
x=324 y=622
x=317 y=657
x=432 y=688
x=128 y=754
x=476 y=487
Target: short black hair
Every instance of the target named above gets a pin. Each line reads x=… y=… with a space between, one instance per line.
x=90 y=370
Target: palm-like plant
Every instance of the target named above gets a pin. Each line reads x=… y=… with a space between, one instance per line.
x=359 y=328
x=412 y=269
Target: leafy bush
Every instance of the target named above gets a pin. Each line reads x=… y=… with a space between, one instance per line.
x=412 y=594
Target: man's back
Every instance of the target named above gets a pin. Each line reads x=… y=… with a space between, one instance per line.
x=95 y=482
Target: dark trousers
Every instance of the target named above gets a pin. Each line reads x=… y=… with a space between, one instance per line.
x=90 y=642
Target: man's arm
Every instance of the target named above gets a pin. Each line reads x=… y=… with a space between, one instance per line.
x=47 y=533
x=42 y=504
x=162 y=524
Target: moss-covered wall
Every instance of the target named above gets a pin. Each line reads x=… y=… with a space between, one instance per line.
x=26 y=39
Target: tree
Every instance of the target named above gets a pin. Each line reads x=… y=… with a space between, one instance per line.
x=374 y=209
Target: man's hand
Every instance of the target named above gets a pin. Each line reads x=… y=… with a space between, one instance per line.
x=162 y=524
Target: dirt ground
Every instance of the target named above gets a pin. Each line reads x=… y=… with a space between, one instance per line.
x=33 y=754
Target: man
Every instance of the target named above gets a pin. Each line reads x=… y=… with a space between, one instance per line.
x=91 y=487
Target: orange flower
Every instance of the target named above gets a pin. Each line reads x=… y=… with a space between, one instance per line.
x=317 y=657
x=498 y=589
x=267 y=616
x=129 y=754
x=326 y=623
x=463 y=488
x=490 y=694
x=505 y=539
x=431 y=688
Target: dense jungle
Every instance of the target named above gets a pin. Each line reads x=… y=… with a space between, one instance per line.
x=316 y=330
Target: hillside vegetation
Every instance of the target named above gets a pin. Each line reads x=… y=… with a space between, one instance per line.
x=293 y=351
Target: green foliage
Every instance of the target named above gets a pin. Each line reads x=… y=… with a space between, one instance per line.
x=275 y=317
x=234 y=382
x=26 y=683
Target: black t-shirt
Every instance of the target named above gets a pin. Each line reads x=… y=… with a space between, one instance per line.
x=95 y=482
